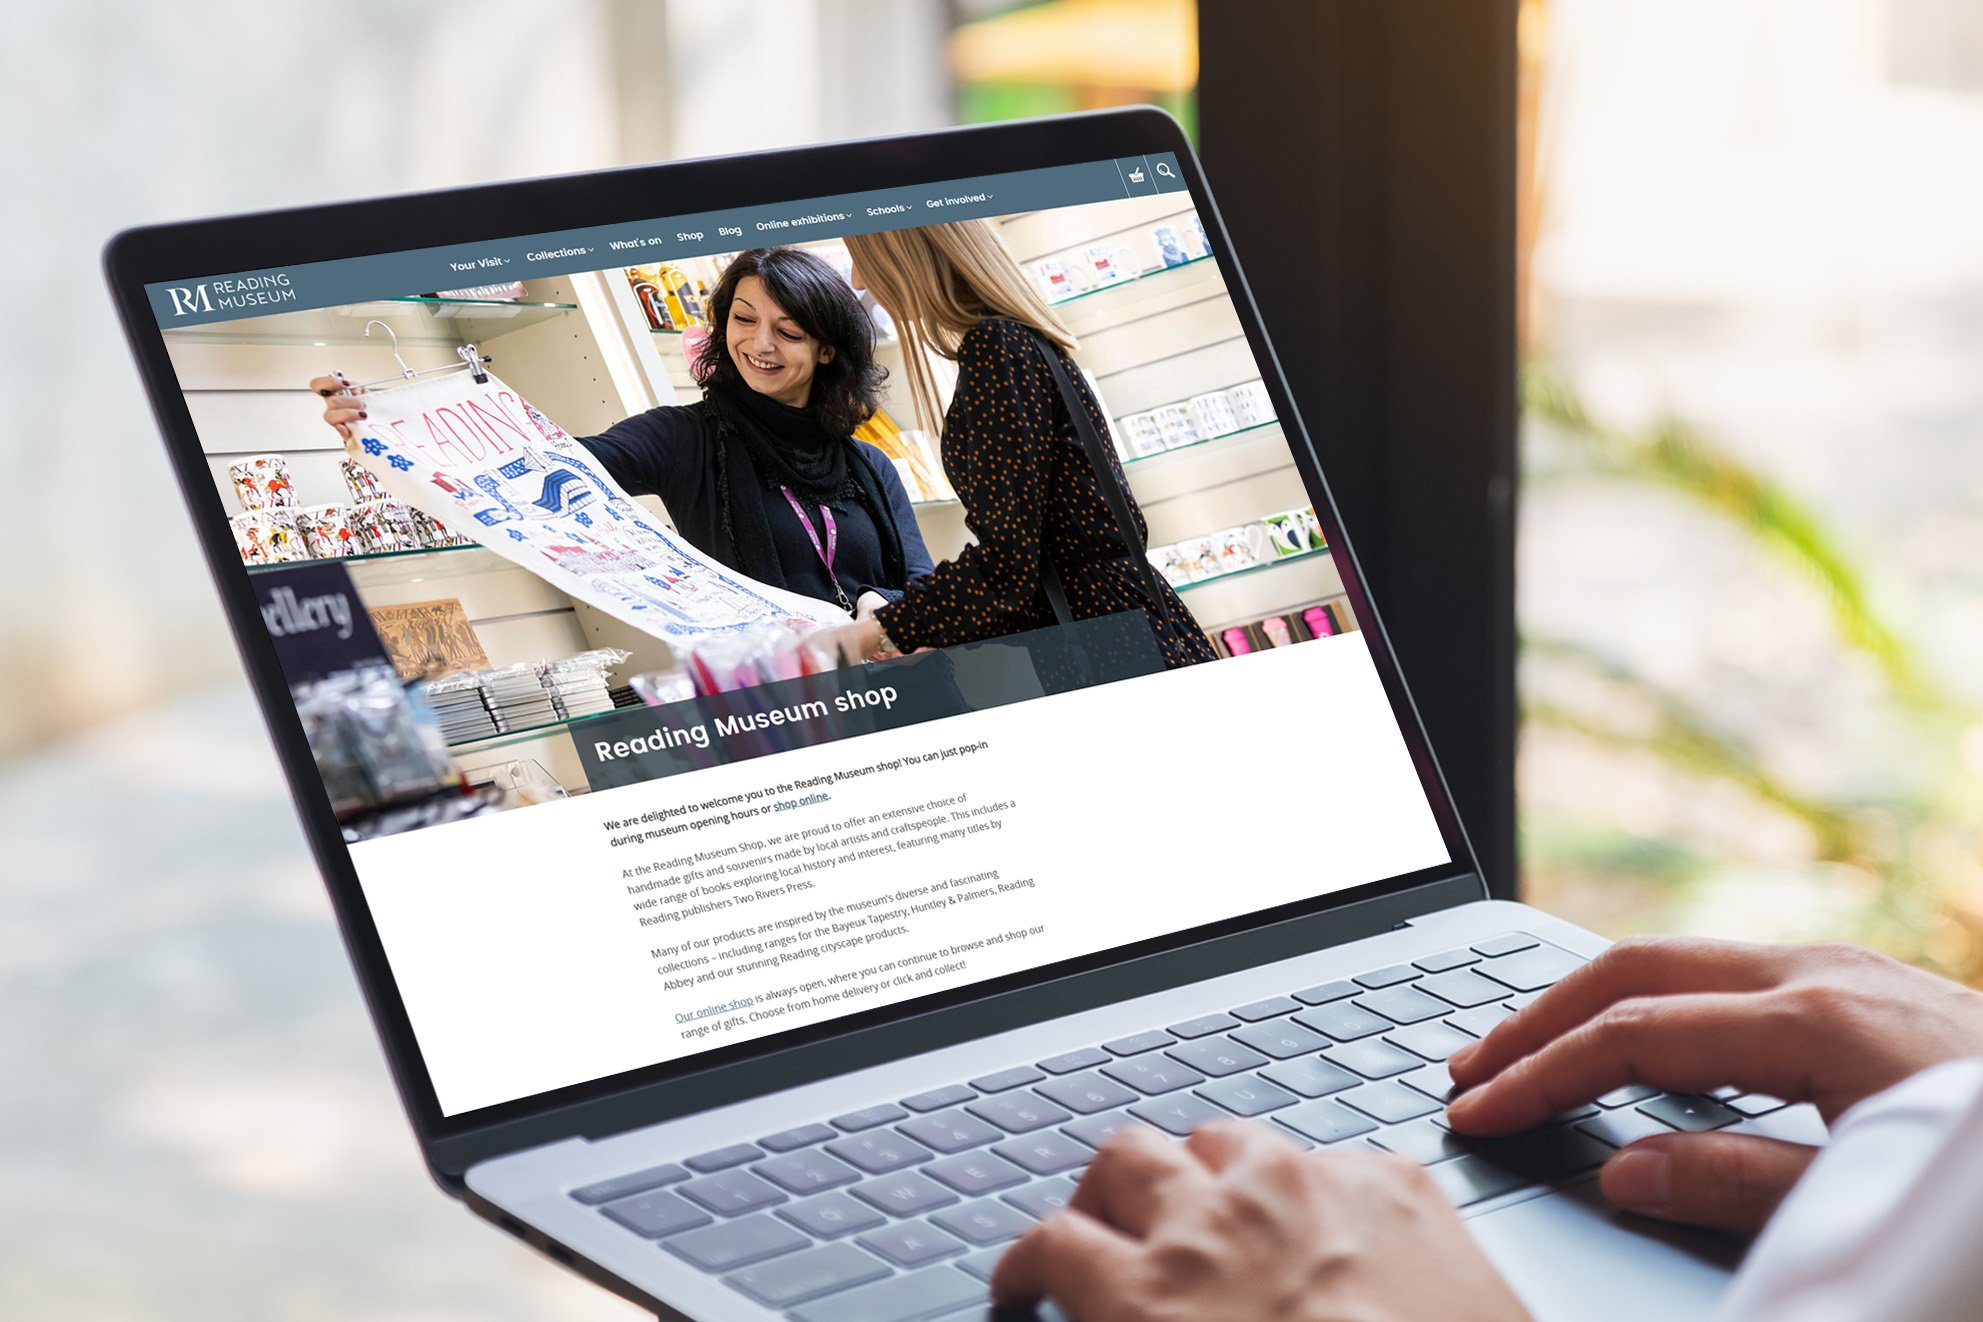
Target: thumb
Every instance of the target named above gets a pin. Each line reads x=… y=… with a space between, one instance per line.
x=1723 y=1181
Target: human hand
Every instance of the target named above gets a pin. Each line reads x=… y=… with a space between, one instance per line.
x=342 y=405
x=1831 y=1025
x=1238 y=1225
x=856 y=642
x=868 y=603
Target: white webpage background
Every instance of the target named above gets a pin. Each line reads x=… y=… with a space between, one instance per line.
x=1141 y=808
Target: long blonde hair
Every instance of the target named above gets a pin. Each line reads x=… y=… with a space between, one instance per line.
x=937 y=282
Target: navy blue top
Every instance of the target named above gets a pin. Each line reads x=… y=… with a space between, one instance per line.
x=666 y=452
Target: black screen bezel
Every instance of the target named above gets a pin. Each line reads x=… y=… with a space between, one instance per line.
x=258 y=241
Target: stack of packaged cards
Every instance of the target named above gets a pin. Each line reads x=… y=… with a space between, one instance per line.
x=577 y=686
x=517 y=698
x=459 y=707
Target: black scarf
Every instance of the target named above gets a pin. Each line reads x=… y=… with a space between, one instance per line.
x=762 y=445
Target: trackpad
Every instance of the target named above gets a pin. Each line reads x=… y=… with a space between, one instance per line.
x=1572 y=1257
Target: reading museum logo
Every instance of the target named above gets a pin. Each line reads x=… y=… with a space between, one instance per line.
x=248 y=291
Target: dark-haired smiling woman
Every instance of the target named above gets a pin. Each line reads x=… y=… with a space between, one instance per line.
x=763 y=472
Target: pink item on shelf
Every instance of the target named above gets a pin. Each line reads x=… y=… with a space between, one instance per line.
x=1318 y=622
x=1277 y=631
x=1237 y=642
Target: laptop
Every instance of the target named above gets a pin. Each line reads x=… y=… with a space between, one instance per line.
x=748 y=985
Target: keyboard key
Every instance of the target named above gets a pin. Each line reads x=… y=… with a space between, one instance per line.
x=1254 y=1011
x=1433 y=1080
x=1389 y=1101
x=1203 y=1026
x=1372 y=1058
x=1342 y=1021
x=1469 y=1179
x=1446 y=960
x=605 y=1191
x=1005 y=1080
x=1480 y=1020
x=1281 y=1038
x=1756 y=1103
x=1217 y=1056
x=732 y=1193
x=786 y=1140
x=1324 y=1121
x=938 y=1098
x=1138 y=1043
x=1630 y=1093
x=1505 y=944
x=911 y=1243
x=1047 y=1153
x=655 y=1214
x=1689 y=1113
x=1621 y=1127
x=905 y=1193
x=868 y=1117
x=975 y=1173
x=987 y=1221
x=798 y=1277
x=1310 y=1076
x=1523 y=1000
x=1086 y=1093
x=1390 y=976
x=981 y=1264
x=1402 y=1005
x=1247 y=1095
x=1043 y=1197
x=1723 y=1093
x=831 y=1215
x=1068 y=1062
x=723 y=1158
x=1531 y=970
x=878 y=1151
x=1177 y=1114
x=1434 y=1040
x=1152 y=1075
x=917 y=1295
x=949 y=1131
x=1322 y=993
x=1423 y=1141
x=806 y=1171
x=739 y=1243
x=1018 y=1112
x=1464 y=988
x=1094 y=1130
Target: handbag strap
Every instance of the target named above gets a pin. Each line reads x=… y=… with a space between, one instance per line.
x=1105 y=479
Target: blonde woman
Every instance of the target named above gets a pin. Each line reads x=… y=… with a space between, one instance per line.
x=1032 y=499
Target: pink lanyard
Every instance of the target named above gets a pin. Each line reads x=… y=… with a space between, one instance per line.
x=824 y=552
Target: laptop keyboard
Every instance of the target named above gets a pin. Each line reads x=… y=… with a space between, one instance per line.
x=897 y=1212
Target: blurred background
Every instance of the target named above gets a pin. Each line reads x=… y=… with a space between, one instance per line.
x=1749 y=275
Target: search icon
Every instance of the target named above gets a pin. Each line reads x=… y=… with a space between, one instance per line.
x=1164 y=169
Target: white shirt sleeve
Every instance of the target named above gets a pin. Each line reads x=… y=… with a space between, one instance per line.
x=1887 y=1225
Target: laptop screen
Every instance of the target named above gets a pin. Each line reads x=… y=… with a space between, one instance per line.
x=709 y=628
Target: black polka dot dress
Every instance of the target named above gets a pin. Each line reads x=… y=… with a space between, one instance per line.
x=1028 y=490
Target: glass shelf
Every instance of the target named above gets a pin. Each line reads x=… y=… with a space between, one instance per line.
x=1131 y=282
x=376 y=557
x=1229 y=575
x=416 y=320
x=1193 y=445
x=504 y=738
x=661 y=330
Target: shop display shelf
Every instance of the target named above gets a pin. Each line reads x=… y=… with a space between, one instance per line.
x=1227 y=577
x=406 y=566
x=416 y=320
x=1132 y=282
x=505 y=738
x=1197 y=446
x=663 y=330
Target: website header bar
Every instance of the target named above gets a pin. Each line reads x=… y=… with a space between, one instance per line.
x=203 y=300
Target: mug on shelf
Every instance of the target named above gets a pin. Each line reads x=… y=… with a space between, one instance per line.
x=1250 y=405
x=250 y=537
x=1170 y=244
x=1289 y=530
x=1175 y=425
x=1112 y=263
x=1054 y=279
x=1197 y=558
x=1213 y=414
x=326 y=531
x=261 y=482
x=1140 y=434
x=1241 y=547
x=1169 y=564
